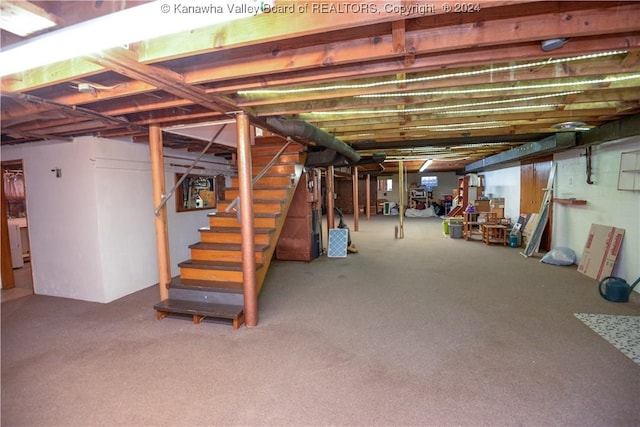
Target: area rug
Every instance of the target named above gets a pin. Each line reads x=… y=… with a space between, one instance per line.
x=623 y=332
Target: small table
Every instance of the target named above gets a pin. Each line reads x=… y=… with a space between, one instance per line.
x=494 y=233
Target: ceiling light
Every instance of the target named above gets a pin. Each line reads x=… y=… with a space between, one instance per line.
x=571 y=126
x=552 y=44
x=99 y=34
x=498 y=110
x=488 y=70
x=448 y=107
x=608 y=79
x=23 y=18
x=425 y=165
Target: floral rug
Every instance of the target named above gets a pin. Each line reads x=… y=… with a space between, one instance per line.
x=623 y=332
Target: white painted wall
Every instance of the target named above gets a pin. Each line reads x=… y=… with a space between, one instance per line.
x=92 y=231
x=62 y=218
x=606 y=205
x=505 y=183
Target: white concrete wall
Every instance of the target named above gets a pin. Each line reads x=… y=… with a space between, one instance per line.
x=92 y=231
x=606 y=204
x=505 y=183
x=62 y=217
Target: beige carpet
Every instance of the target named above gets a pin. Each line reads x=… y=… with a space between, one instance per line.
x=425 y=330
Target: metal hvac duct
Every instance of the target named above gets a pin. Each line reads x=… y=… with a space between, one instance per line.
x=300 y=128
x=552 y=144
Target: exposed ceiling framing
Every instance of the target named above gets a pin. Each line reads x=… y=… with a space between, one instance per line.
x=423 y=84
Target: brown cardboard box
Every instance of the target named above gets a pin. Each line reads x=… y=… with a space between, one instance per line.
x=497 y=202
x=482 y=206
x=601 y=251
x=499 y=212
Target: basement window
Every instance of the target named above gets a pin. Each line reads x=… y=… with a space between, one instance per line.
x=196 y=192
x=385 y=185
x=429 y=182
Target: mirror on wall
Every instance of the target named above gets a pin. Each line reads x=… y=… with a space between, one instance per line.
x=196 y=192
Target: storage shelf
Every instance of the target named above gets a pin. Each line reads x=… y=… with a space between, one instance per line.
x=570 y=201
x=629 y=175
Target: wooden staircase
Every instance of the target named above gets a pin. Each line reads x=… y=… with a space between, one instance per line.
x=210 y=284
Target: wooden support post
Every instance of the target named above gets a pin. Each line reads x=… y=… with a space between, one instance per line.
x=401 y=197
x=247 y=231
x=330 y=216
x=162 y=230
x=356 y=208
x=367 y=208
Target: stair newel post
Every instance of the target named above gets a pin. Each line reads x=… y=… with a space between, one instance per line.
x=330 y=216
x=356 y=208
x=246 y=217
x=162 y=231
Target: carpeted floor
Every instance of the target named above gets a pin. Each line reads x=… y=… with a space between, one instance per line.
x=623 y=332
x=420 y=331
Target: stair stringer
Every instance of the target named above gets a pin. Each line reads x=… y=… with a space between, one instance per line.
x=268 y=256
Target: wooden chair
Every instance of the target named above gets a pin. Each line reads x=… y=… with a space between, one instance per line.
x=492 y=231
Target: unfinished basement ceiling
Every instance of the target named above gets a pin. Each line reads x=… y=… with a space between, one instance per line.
x=405 y=78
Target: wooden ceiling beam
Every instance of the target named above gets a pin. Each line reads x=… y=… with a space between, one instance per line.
x=122 y=62
x=593 y=22
x=464 y=58
x=424 y=119
x=270 y=27
x=627 y=93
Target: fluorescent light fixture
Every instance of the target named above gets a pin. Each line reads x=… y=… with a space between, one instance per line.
x=23 y=18
x=145 y=22
x=425 y=165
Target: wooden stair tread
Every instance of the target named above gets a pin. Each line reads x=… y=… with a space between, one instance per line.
x=234 y=230
x=263 y=187
x=226 y=311
x=234 y=214
x=225 y=246
x=214 y=265
x=206 y=285
x=257 y=201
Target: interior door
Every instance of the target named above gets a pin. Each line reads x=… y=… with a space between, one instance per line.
x=534 y=176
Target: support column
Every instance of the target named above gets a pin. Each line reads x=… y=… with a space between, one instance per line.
x=356 y=208
x=401 y=194
x=247 y=230
x=156 y=152
x=330 y=214
x=367 y=207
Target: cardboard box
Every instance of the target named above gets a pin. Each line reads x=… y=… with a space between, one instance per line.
x=498 y=211
x=601 y=251
x=482 y=206
x=497 y=202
